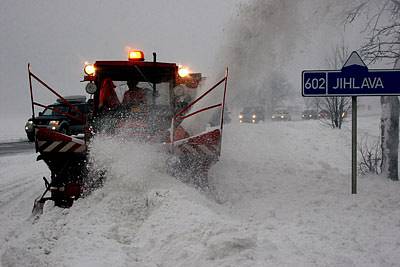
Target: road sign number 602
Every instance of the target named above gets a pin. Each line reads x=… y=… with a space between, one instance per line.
x=315 y=83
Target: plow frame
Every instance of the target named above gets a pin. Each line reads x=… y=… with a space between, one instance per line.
x=63 y=100
x=70 y=154
x=181 y=116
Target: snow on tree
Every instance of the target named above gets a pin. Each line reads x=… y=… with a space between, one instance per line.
x=383 y=44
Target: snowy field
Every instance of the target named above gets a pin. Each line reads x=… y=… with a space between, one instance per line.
x=280 y=196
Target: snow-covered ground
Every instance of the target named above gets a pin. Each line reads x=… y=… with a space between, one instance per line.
x=280 y=196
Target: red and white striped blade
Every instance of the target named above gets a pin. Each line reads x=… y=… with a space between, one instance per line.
x=204 y=145
x=49 y=141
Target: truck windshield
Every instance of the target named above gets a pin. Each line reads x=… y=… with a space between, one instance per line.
x=143 y=92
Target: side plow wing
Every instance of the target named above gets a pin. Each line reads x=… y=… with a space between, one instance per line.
x=64 y=155
x=206 y=145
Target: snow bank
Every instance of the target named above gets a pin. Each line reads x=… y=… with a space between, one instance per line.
x=292 y=185
x=183 y=231
x=140 y=217
x=280 y=196
x=181 y=227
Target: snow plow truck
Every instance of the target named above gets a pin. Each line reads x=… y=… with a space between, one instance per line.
x=154 y=106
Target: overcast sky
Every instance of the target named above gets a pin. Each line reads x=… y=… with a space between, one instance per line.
x=57 y=37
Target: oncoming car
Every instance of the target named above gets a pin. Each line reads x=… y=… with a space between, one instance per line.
x=252 y=114
x=55 y=117
x=281 y=115
x=310 y=114
x=30 y=130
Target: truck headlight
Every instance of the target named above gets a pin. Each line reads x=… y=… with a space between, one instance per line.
x=240 y=116
x=89 y=69
x=30 y=122
x=54 y=123
x=254 y=116
x=282 y=117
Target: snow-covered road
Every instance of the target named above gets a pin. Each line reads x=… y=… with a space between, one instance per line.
x=19 y=184
x=280 y=197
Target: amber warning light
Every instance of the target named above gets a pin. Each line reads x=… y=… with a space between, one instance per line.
x=136 y=55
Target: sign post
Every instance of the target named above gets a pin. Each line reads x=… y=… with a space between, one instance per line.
x=354 y=79
x=354 y=144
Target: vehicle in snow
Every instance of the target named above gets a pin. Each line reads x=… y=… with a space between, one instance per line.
x=345 y=114
x=252 y=114
x=30 y=130
x=281 y=115
x=309 y=114
x=53 y=117
x=155 y=115
x=323 y=114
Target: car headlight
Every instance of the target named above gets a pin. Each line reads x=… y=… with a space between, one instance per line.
x=273 y=117
x=310 y=116
x=282 y=117
x=240 y=116
x=30 y=122
x=26 y=128
x=54 y=123
x=254 y=116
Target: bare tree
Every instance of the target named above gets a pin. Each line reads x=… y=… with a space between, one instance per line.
x=383 y=44
x=382 y=27
x=336 y=107
x=371 y=157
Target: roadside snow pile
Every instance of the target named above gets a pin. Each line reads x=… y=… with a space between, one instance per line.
x=140 y=217
x=292 y=186
x=183 y=231
x=182 y=227
x=283 y=199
